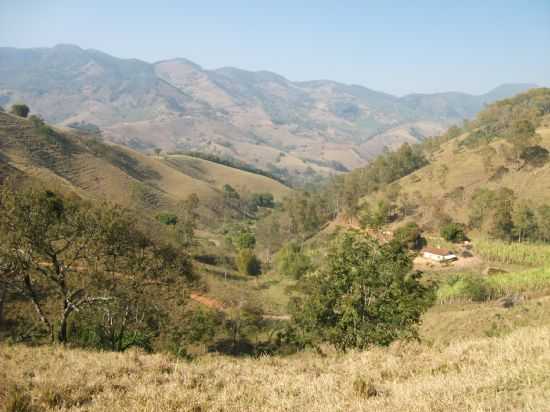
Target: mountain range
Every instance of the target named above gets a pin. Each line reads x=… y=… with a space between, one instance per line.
x=258 y=117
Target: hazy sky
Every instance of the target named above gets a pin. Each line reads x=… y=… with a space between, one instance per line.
x=393 y=46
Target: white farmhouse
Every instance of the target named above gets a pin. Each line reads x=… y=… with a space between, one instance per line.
x=438 y=255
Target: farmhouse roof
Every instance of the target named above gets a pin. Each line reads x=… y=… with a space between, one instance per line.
x=437 y=251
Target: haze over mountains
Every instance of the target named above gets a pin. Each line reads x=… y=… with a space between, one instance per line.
x=257 y=117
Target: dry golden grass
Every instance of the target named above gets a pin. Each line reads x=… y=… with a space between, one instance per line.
x=510 y=373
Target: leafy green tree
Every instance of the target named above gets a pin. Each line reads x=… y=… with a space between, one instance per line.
x=21 y=110
x=524 y=221
x=365 y=294
x=158 y=151
x=376 y=217
x=292 y=262
x=491 y=211
x=453 y=232
x=410 y=236
x=244 y=239
x=543 y=223
x=269 y=233
x=247 y=263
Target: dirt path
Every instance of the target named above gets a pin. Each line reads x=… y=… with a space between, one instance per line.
x=217 y=305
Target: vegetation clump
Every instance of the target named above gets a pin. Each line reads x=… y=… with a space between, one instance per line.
x=21 y=110
x=453 y=232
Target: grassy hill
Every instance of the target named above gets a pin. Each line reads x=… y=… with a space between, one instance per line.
x=487 y=154
x=82 y=164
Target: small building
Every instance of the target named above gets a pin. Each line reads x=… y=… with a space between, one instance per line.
x=438 y=255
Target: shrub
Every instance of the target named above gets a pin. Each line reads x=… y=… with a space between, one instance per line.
x=535 y=155
x=167 y=218
x=453 y=232
x=21 y=110
x=262 y=200
x=476 y=289
x=36 y=121
x=247 y=263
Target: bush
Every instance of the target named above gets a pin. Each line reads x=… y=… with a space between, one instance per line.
x=453 y=232
x=535 y=155
x=247 y=263
x=21 y=110
x=262 y=200
x=476 y=289
x=167 y=218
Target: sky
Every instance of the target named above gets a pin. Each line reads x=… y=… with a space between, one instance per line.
x=399 y=47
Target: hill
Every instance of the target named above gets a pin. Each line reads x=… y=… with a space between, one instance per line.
x=83 y=164
x=261 y=118
x=490 y=153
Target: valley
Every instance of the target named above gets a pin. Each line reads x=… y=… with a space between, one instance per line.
x=176 y=238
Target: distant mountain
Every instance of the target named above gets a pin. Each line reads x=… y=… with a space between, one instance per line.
x=259 y=117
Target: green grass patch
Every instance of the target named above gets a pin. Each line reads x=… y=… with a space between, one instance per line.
x=531 y=254
x=475 y=288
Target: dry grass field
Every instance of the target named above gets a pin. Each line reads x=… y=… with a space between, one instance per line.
x=510 y=373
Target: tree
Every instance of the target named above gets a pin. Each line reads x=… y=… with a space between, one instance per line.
x=492 y=211
x=524 y=221
x=158 y=151
x=375 y=217
x=67 y=257
x=268 y=233
x=247 y=263
x=243 y=238
x=543 y=223
x=453 y=232
x=292 y=262
x=365 y=294
x=410 y=236
x=21 y=110
x=187 y=220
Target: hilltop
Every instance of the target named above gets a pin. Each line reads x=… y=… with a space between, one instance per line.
x=261 y=118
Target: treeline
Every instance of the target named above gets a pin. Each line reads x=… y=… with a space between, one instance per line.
x=500 y=214
x=347 y=190
x=231 y=162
